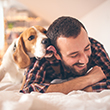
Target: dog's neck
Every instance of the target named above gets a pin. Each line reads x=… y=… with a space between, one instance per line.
x=15 y=44
x=14 y=47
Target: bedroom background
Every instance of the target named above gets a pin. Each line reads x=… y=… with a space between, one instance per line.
x=17 y=15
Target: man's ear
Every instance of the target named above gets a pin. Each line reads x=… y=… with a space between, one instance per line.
x=52 y=48
x=57 y=56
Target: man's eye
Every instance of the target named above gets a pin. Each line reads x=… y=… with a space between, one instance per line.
x=31 y=37
x=87 y=49
x=73 y=56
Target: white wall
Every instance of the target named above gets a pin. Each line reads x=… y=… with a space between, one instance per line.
x=97 y=23
x=1 y=27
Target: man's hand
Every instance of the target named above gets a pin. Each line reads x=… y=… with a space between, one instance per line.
x=96 y=75
x=88 y=89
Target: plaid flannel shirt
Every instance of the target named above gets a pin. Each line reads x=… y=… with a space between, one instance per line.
x=42 y=71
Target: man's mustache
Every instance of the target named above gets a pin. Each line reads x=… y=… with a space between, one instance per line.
x=80 y=63
x=77 y=64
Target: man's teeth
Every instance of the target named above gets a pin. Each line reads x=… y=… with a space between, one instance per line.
x=81 y=65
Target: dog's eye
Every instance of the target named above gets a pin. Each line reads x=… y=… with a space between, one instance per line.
x=31 y=37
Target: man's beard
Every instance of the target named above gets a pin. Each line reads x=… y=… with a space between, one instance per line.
x=72 y=70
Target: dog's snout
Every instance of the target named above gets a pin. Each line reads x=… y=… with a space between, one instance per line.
x=45 y=41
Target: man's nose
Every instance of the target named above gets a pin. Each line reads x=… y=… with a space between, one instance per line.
x=83 y=58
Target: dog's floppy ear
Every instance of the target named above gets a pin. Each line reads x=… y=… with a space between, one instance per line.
x=52 y=48
x=20 y=57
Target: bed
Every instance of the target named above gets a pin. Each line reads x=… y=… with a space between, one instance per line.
x=11 y=99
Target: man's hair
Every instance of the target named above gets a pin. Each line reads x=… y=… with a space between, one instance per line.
x=64 y=26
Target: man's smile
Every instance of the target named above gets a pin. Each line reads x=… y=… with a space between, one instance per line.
x=80 y=66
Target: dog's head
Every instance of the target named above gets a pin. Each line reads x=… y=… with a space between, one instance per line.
x=32 y=43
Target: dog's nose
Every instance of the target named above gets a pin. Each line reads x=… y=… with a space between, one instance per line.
x=45 y=41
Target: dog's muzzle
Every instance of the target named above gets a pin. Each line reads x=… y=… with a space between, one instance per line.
x=46 y=42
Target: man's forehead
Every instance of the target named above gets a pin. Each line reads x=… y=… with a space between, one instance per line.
x=71 y=44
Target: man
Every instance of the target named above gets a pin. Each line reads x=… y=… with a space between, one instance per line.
x=80 y=62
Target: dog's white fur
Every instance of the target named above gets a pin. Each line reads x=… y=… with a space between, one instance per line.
x=10 y=66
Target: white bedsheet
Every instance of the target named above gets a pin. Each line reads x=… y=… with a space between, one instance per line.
x=11 y=99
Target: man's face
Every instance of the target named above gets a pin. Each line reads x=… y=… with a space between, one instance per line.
x=75 y=52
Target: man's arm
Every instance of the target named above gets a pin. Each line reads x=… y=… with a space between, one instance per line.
x=95 y=75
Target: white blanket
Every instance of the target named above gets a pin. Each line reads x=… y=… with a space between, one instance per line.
x=11 y=99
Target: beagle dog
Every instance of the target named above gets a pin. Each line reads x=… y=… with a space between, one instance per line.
x=31 y=43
